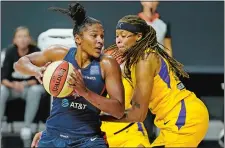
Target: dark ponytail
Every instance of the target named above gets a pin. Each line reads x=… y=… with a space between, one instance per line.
x=78 y=14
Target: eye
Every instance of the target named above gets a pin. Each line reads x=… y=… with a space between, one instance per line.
x=94 y=35
x=123 y=35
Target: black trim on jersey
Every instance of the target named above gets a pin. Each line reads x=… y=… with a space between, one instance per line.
x=163 y=146
x=126 y=127
x=168 y=28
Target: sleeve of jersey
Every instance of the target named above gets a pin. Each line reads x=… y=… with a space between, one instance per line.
x=168 y=30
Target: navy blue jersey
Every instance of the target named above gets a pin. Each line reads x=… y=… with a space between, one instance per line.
x=75 y=115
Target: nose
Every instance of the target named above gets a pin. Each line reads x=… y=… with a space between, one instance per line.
x=100 y=40
x=118 y=40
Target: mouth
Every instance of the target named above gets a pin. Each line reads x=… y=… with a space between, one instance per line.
x=121 y=47
x=98 y=49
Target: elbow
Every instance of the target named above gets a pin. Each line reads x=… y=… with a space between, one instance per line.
x=17 y=65
x=138 y=117
x=141 y=119
x=143 y=116
x=119 y=115
x=120 y=112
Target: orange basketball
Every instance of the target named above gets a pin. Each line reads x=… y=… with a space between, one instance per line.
x=55 y=78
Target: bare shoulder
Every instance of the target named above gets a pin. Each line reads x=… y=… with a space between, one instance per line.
x=109 y=62
x=150 y=58
x=150 y=62
x=109 y=65
x=108 y=59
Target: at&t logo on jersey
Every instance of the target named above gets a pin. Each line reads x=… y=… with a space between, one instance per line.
x=65 y=103
x=78 y=105
x=75 y=105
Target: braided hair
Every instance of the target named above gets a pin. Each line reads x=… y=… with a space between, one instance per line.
x=148 y=41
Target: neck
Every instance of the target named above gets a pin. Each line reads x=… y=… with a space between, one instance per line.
x=147 y=13
x=82 y=58
x=23 y=52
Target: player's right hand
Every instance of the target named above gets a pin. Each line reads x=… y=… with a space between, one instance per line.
x=36 y=139
x=40 y=71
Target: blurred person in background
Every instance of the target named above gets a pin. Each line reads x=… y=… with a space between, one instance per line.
x=15 y=85
x=152 y=17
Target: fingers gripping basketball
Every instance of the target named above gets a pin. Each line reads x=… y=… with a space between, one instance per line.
x=55 y=79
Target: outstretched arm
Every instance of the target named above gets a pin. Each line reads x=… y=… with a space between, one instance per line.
x=32 y=64
x=145 y=72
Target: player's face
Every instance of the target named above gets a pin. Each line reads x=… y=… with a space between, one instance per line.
x=126 y=39
x=22 y=39
x=92 y=40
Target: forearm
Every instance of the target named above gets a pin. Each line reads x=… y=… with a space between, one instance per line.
x=168 y=45
x=7 y=83
x=169 y=51
x=30 y=82
x=128 y=116
x=24 y=66
x=110 y=106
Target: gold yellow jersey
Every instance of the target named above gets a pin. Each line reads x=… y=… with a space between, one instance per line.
x=167 y=91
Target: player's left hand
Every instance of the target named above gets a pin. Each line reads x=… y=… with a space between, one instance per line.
x=78 y=83
x=36 y=139
x=18 y=86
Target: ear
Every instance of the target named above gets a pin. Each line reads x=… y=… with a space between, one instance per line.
x=77 y=39
x=139 y=37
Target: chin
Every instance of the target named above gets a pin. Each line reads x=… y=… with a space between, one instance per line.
x=96 y=55
x=122 y=50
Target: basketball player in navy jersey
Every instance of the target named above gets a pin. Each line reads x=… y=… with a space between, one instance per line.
x=75 y=121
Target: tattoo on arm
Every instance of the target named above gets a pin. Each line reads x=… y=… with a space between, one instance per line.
x=126 y=114
x=136 y=104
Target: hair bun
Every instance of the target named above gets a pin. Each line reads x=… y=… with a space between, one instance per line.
x=77 y=13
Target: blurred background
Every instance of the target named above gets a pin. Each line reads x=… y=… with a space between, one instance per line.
x=197 y=40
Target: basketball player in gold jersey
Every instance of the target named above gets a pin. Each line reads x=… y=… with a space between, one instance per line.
x=181 y=117
x=125 y=134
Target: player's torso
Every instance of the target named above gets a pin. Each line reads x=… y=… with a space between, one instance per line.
x=167 y=90
x=75 y=114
